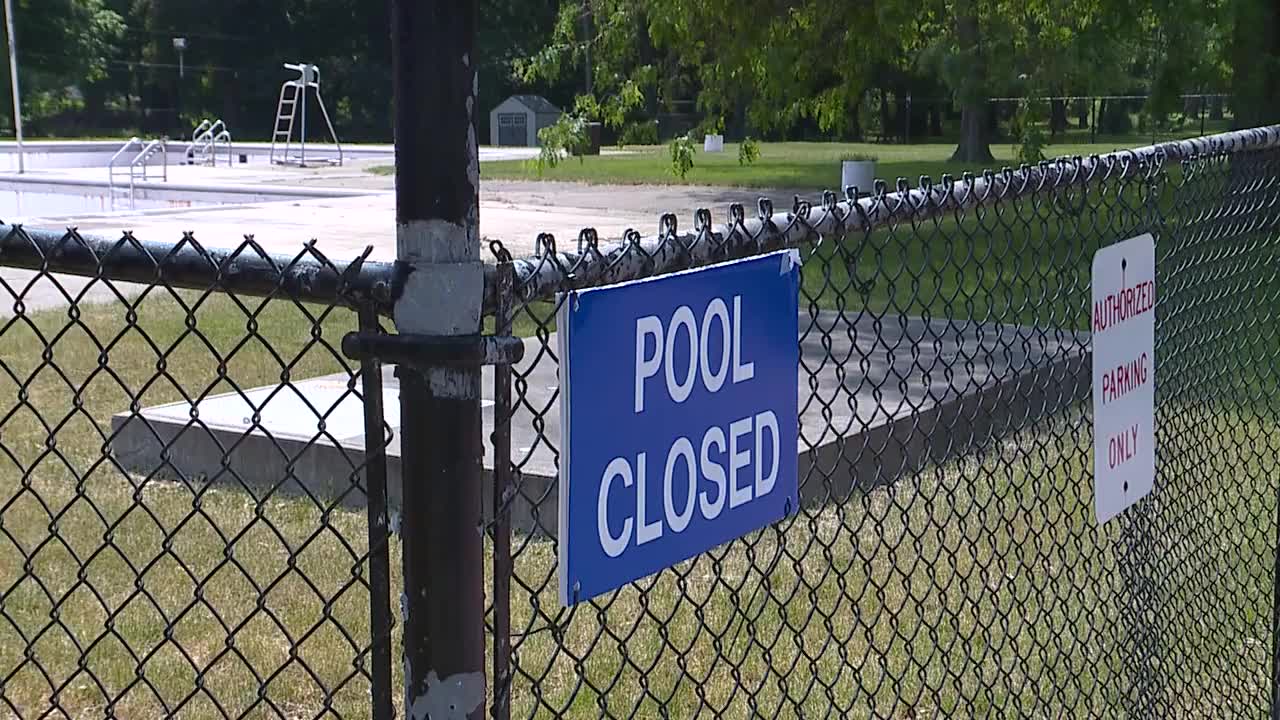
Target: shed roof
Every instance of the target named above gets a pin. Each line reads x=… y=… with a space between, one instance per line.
x=537 y=103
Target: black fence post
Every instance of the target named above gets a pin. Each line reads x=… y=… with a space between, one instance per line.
x=375 y=472
x=503 y=490
x=437 y=238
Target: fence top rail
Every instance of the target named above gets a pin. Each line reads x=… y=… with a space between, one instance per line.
x=248 y=269
x=593 y=263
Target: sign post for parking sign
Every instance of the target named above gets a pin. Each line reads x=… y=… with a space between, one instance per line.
x=678 y=403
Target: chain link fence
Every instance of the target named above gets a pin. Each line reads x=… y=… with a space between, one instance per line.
x=165 y=550
x=199 y=491
x=946 y=562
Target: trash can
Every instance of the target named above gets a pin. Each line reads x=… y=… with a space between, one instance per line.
x=592 y=144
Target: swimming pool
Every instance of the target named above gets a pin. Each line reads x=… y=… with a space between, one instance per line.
x=62 y=154
x=24 y=198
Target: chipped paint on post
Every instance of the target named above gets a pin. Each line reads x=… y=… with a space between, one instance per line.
x=438 y=244
x=455 y=697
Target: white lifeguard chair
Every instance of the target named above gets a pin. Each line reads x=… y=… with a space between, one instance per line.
x=291 y=109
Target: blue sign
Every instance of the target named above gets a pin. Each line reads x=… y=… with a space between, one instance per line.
x=678 y=410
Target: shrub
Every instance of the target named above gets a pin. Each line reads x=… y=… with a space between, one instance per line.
x=1115 y=118
x=1028 y=137
x=748 y=151
x=639 y=133
x=681 y=156
x=558 y=140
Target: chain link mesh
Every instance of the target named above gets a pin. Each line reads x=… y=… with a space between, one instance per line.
x=159 y=557
x=947 y=561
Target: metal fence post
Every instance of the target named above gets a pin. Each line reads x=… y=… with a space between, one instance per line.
x=375 y=472
x=437 y=238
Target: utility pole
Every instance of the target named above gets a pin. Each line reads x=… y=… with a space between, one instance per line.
x=438 y=243
x=13 y=82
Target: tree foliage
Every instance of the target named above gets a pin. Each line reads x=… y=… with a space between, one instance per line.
x=804 y=68
x=779 y=67
x=65 y=43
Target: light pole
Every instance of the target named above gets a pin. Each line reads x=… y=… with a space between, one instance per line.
x=179 y=44
x=13 y=81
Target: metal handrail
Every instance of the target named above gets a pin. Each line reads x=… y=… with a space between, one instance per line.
x=139 y=161
x=200 y=130
x=205 y=137
x=223 y=137
x=111 y=171
x=128 y=144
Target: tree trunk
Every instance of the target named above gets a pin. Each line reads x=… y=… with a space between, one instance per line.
x=1057 y=117
x=231 y=99
x=853 y=127
x=975 y=143
x=588 y=32
x=95 y=105
x=1082 y=112
x=886 y=117
x=1254 y=56
x=901 y=116
x=739 y=117
x=1216 y=111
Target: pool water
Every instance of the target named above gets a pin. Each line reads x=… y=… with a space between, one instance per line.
x=22 y=205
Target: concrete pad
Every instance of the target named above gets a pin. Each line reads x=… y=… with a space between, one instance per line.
x=879 y=398
x=341 y=226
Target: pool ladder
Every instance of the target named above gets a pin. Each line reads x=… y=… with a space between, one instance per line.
x=137 y=169
x=291 y=109
x=205 y=139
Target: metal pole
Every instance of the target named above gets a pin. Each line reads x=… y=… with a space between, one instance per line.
x=503 y=484
x=1093 y=126
x=375 y=472
x=437 y=237
x=302 y=139
x=906 y=128
x=13 y=82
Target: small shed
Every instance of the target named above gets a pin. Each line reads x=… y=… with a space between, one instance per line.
x=517 y=120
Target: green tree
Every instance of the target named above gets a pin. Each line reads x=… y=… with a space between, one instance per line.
x=1254 y=57
x=61 y=43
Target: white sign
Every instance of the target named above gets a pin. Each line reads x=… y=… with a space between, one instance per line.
x=1124 y=374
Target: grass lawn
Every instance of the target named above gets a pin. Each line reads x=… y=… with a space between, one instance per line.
x=982 y=588
x=978 y=588
x=116 y=592
x=788 y=165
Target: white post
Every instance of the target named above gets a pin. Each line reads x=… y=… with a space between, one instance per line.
x=13 y=80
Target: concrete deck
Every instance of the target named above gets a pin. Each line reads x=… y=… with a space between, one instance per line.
x=344 y=209
x=907 y=393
